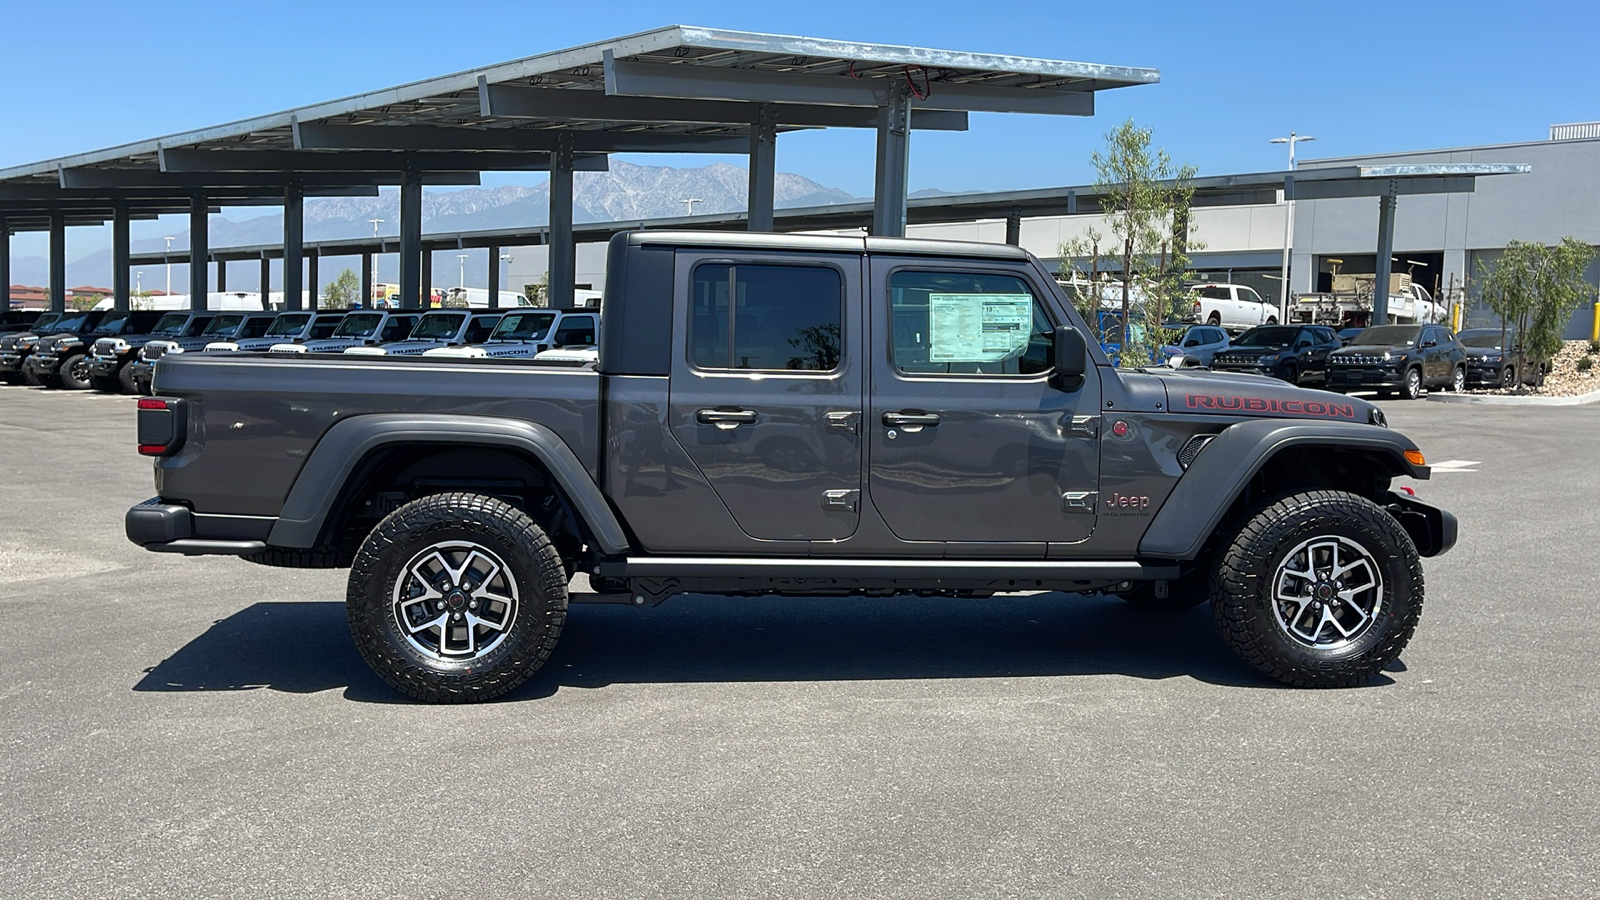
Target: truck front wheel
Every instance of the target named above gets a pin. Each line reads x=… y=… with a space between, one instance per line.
x=456 y=598
x=1320 y=589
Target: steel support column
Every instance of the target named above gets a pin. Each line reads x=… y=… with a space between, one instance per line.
x=410 y=238
x=5 y=265
x=121 y=291
x=294 y=224
x=1380 y=284
x=222 y=276
x=58 y=260
x=763 y=167
x=494 y=277
x=199 y=252
x=1014 y=228
x=311 y=279
x=425 y=295
x=894 y=161
x=266 y=282
x=563 y=265
x=366 y=281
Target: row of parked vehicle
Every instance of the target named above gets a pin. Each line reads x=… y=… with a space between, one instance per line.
x=116 y=350
x=1388 y=359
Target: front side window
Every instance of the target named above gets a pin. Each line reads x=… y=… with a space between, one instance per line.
x=438 y=327
x=223 y=325
x=71 y=323
x=359 y=325
x=969 y=323
x=197 y=326
x=399 y=328
x=171 y=323
x=479 y=328
x=288 y=325
x=767 y=317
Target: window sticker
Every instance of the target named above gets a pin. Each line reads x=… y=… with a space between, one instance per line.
x=978 y=327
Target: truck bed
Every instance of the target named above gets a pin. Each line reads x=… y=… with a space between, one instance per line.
x=269 y=412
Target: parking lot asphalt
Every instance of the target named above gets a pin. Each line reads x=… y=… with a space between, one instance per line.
x=204 y=727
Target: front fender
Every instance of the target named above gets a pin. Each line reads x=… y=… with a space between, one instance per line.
x=1224 y=468
x=348 y=442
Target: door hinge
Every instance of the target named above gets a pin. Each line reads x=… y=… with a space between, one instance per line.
x=844 y=421
x=1079 y=501
x=841 y=500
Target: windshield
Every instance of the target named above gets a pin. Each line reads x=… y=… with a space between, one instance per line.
x=71 y=323
x=223 y=325
x=438 y=325
x=288 y=325
x=1487 y=340
x=1389 y=336
x=113 y=323
x=45 y=321
x=196 y=326
x=359 y=325
x=171 y=323
x=1270 y=336
x=524 y=327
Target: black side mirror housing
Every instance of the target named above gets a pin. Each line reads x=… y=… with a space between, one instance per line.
x=1071 y=357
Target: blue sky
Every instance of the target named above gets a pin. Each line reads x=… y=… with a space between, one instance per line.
x=1361 y=77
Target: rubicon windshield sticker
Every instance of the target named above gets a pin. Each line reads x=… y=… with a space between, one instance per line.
x=978 y=327
x=1225 y=403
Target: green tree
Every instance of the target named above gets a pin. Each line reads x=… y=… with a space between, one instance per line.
x=538 y=293
x=1142 y=260
x=342 y=292
x=1534 y=290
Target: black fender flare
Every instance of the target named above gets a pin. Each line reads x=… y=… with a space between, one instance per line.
x=348 y=442
x=1220 y=473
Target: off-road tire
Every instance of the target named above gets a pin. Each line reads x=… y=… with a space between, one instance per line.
x=125 y=380
x=386 y=557
x=1243 y=589
x=1182 y=593
x=1290 y=373
x=1411 y=388
x=67 y=379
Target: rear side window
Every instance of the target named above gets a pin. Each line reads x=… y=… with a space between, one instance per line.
x=255 y=327
x=575 y=331
x=767 y=317
x=479 y=328
x=397 y=328
x=968 y=323
x=197 y=326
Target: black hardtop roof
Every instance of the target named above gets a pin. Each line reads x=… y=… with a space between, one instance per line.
x=824 y=243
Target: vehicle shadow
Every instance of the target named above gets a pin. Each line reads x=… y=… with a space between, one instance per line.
x=305 y=647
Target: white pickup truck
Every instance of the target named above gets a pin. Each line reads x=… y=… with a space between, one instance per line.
x=1232 y=306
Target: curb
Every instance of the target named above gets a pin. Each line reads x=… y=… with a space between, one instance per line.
x=1511 y=400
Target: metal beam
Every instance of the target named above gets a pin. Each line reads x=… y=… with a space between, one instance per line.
x=58 y=262
x=1330 y=190
x=163 y=199
x=518 y=102
x=425 y=297
x=494 y=277
x=636 y=79
x=222 y=276
x=5 y=265
x=311 y=280
x=100 y=179
x=563 y=259
x=266 y=280
x=763 y=168
x=894 y=160
x=306 y=161
x=294 y=208
x=444 y=137
x=1380 y=283
x=1014 y=228
x=410 y=239
x=199 y=253
x=366 y=280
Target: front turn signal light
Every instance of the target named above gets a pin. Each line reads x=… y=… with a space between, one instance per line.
x=1415 y=458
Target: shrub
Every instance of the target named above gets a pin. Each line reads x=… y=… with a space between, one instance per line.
x=1585 y=364
x=1594 y=347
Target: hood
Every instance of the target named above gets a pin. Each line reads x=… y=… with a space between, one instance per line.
x=1481 y=352
x=1204 y=391
x=329 y=345
x=1249 y=352
x=411 y=348
x=1369 y=350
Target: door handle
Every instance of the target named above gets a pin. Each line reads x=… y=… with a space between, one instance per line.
x=726 y=418
x=909 y=419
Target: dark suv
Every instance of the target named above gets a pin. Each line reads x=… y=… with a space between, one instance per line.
x=110 y=357
x=21 y=320
x=1399 y=358
x=1294 y=353
x=1491 y=364
x=61 y=359
x=224 y=326
x=16 y=349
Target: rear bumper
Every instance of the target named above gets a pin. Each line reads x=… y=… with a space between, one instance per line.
x=170 y=528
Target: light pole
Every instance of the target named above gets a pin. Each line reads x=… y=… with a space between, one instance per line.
x=375 y=224
x=169 y=265
x=505 y=272
x=462 y=258
x=1288 y=228
x=690 y=202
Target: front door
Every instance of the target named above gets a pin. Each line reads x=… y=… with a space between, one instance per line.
x=969 y=439
x=765 y=394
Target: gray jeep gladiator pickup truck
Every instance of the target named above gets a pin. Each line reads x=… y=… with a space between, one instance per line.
x=794 y=415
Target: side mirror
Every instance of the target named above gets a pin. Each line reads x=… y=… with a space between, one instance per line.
x=1427 y=344
x=1071 y=356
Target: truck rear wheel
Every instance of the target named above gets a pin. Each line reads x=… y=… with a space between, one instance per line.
x=456 y=598
x=1320 y=589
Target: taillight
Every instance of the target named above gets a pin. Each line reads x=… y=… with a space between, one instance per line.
x=162 y=423
x=1197 y=306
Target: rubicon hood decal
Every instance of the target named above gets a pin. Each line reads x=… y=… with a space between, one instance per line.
x=1272 y=406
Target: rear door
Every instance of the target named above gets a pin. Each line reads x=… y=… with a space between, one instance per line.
x=969 y=440
x=765 y=393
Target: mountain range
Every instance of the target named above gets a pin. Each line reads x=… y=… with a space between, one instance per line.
x=628 y=191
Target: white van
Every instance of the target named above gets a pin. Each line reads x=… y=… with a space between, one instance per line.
x=234 y=301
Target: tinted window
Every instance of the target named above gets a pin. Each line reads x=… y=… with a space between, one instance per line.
x=438 y=325
x=114 y=322
x=359 y=325
x=1267 y=336
x=968 y=323
x=1216 y=293
x=524 y=326
x=197 y=326
x=397 y=328
x=288 y=324
x=765 y=317
x=171 y=323
x=479 y=328
x=255 y=327
x=1488 y=340
x=223 y=325
x=1389 y=336
x=574 y=331
x=72 y=322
